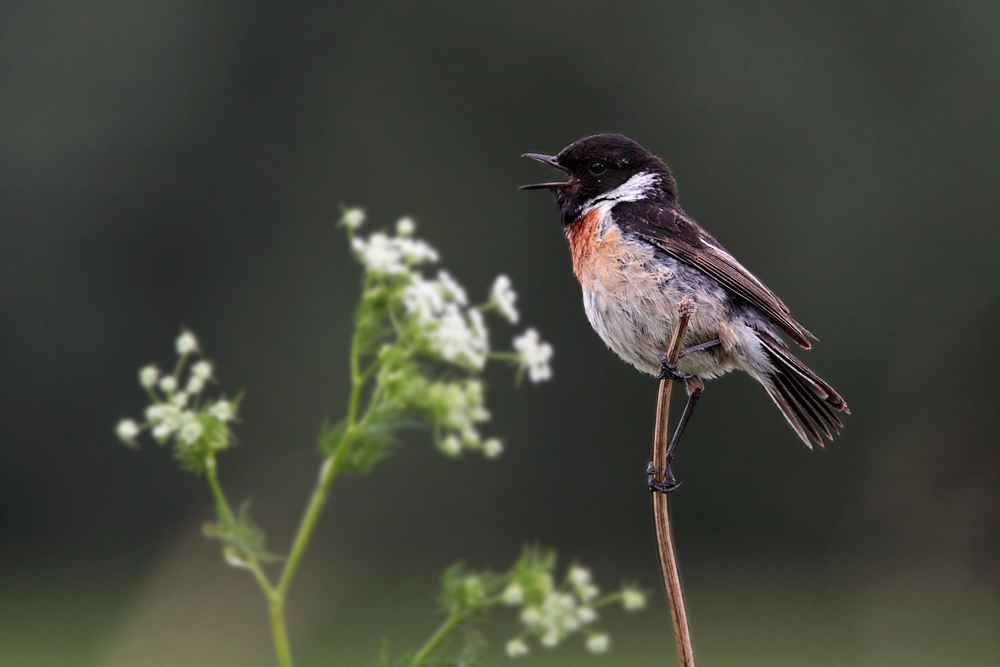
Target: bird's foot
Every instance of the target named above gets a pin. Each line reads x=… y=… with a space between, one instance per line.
x=669 y=482
x=669 y=371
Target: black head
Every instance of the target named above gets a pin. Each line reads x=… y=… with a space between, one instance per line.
x=598 y=165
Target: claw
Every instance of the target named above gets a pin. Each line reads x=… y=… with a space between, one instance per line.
x=669 y=371
x=664 y=487
x=667 y=485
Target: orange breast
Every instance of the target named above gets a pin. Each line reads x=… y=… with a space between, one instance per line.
x=595 y=257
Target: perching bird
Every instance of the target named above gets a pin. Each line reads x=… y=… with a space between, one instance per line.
x=637 y=254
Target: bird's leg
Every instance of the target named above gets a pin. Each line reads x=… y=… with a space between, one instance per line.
x=694 y=387
x=670 y=371
x=700 y=346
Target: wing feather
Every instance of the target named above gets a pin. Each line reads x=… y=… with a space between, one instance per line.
x=681 y=237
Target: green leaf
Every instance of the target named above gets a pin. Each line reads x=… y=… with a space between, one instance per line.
x=242 y=539
x=189 y=459
x=464 y=591
x=367 y=447
x=372 y=326
x=533 y=572
x=330 y=437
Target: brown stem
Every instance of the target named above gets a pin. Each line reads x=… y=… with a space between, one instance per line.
x=668 y=560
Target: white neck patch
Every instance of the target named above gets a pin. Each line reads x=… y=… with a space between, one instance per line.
x=633 y=189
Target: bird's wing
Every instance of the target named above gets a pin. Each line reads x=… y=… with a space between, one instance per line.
x=683 y=238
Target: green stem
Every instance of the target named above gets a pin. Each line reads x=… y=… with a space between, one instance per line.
x=277 y=594
x=230 y=519
x=328 y=472
x=450 y=624
x=281 y=646
x=357 y=378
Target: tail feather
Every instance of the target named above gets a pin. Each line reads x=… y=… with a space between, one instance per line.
x=824 y=419
x=793 y=414
x=808 y=403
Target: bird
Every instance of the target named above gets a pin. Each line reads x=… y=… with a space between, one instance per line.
x=637 y=255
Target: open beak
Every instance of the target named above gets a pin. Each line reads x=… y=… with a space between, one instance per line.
x=552 y=162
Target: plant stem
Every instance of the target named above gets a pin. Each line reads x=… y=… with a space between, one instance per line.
x=450 y=624
x=277 y=594
x=328 y=472
x=281 y=647
x=668 y=559
x=227 y=516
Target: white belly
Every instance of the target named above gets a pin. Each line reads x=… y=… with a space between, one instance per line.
x=630 y=293
x=638 y=323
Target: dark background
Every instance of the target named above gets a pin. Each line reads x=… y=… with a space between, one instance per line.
x=168 y=164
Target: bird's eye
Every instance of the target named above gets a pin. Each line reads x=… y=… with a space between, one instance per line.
x=597 y=168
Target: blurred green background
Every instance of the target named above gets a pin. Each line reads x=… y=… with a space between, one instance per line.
x=183 y=163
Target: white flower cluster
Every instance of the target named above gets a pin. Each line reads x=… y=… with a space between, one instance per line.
x=503 y=298
x=439 y=307
x=533 y=355
x=452 y=330
x=461 y=405
x=392 y=255
x=432 y=317
x=553 y=613
x=177 y=411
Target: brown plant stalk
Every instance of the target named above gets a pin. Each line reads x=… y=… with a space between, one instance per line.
x=668 y=559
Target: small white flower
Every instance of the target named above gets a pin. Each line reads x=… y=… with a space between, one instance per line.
x=516 y=648
x=423 y=298
x=202 y=370
x=180 y=399
x=405 y=226
x=632 y=599
x=531 y=616
x=452 y=289
x=194 y=385
x=222 y=410
x=480 y=344
x=558 y=614
x=579 y=576
x=168 y=383
x=456 y=340
x=463 y=407
x=534 y=355
x=191 y=429
x=127 y=430
x=392 y=256
x=353 y=218
x=471 y=437
x=380 y=254
x=587 y=592
x=163 y=430
x=148 y=376
x=155 y=413
x=550 y=639
x=586 y=615
x=187 y=343
x=416 y=251
x=492 y=448
x=513 y=595
x=504 y=296
x=451 y=446
x=598 y=643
